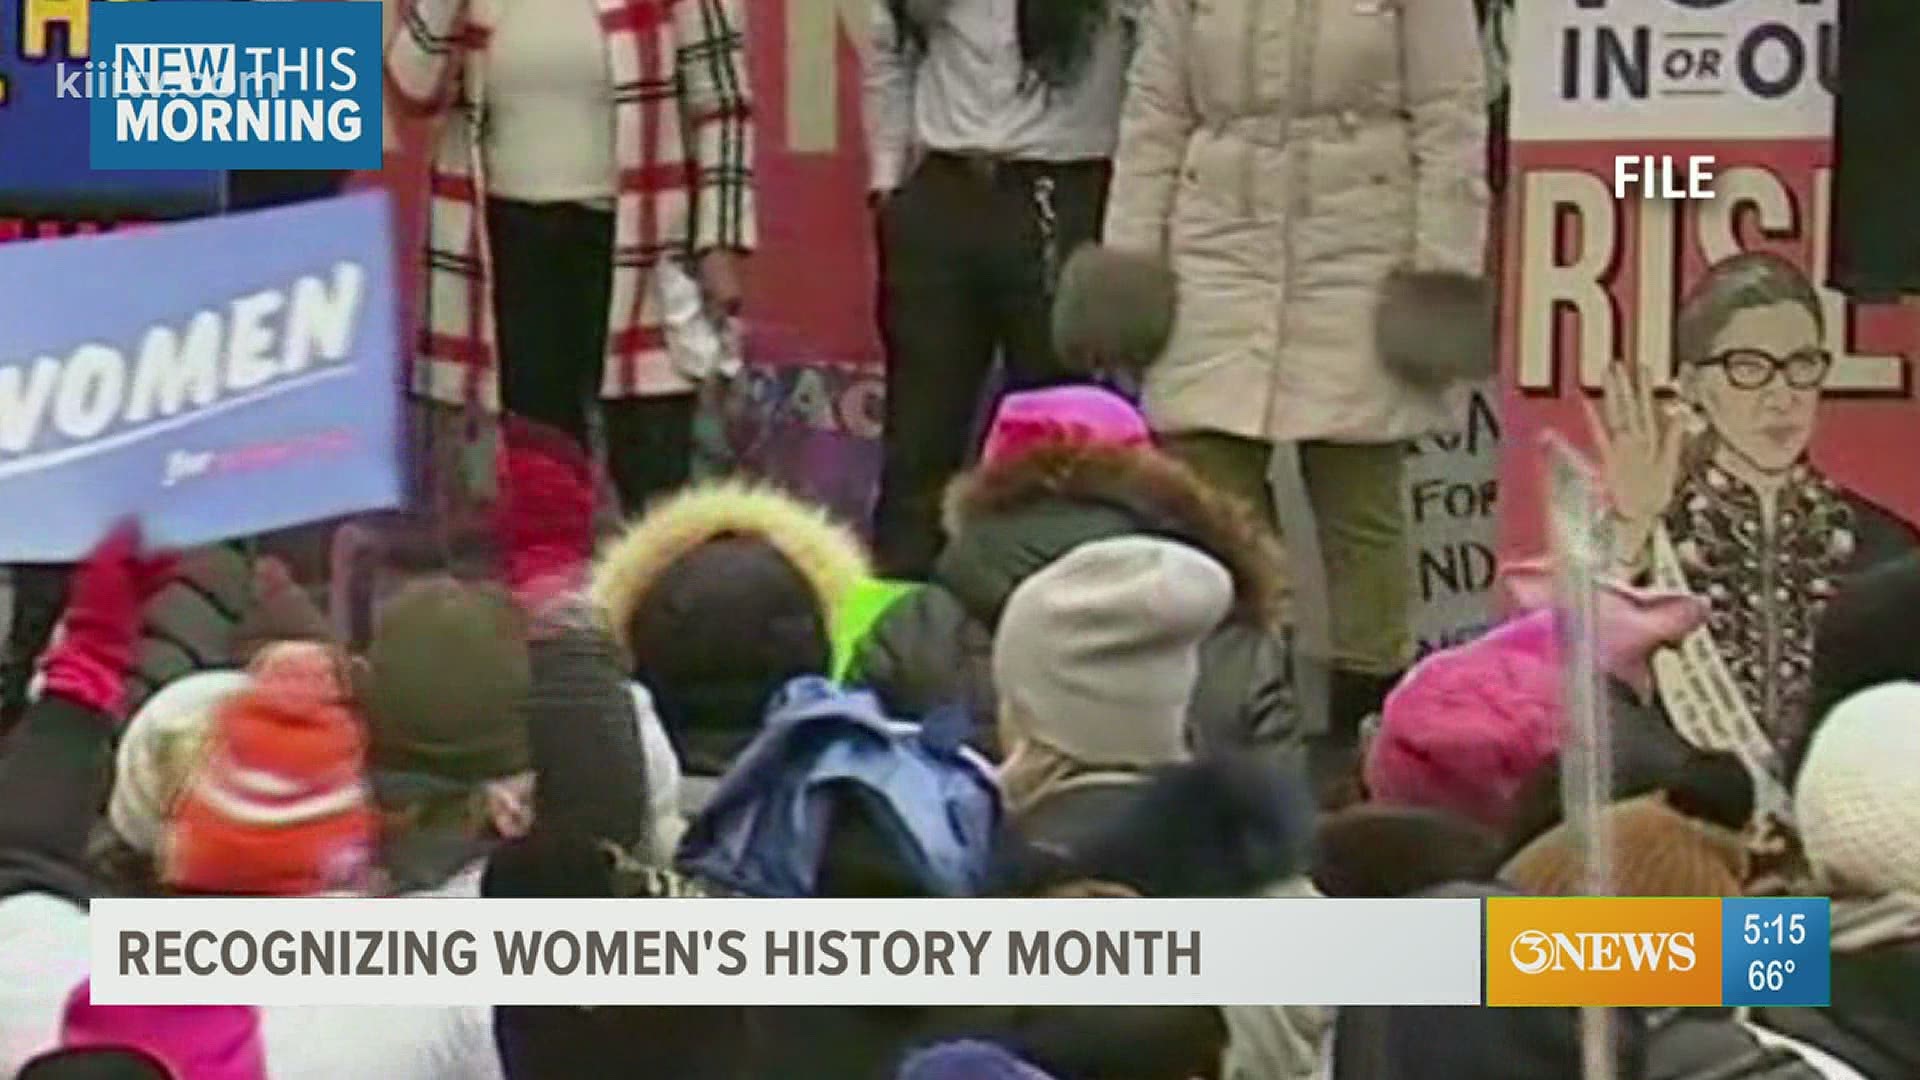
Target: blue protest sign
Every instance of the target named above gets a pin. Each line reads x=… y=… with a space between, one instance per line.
x=216 y=378
x=216 y=85
x=45 y=46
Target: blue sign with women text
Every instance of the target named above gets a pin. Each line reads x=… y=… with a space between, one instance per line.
x=215 y=378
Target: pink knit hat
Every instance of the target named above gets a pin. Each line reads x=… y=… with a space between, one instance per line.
x=194 y=1042
x=1063 y=414
x=1469 y=726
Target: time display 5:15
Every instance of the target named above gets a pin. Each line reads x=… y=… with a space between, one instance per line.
x=1779 y=930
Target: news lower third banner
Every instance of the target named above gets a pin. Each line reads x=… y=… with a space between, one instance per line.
x=214 y=378
x=785 y=952
x=960 y=952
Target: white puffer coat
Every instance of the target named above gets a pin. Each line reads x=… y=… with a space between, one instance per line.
x=1285 y=155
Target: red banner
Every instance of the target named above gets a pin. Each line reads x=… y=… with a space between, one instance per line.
x=1591 y=279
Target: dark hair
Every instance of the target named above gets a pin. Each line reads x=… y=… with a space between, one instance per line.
x=1536 y=808
x=1712 y=787
x=1381 y=852
x=1865 y=638
x=716 y=635
x=1220 y=827
x=1751 y=279
x=123 y=868
x=550 y=864
x=1706 y=785
x=97 y=1063
x=1056 y=36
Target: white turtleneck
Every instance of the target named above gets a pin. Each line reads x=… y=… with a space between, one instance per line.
x=549 y=104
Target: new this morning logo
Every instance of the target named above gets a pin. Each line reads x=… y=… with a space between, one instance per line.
x=220 y=85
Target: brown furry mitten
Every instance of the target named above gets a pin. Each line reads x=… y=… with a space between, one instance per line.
x=1433 y=328
x=1112 y=311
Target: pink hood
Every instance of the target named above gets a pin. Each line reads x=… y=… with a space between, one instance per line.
x=195 y=1042
x=1063 y=414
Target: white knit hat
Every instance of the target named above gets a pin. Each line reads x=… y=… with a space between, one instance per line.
x=158 y=752
x=1097 y=654
x=1858 y=797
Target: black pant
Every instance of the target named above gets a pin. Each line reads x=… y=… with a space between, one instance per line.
x=969 y=251
x=1876 y=224
x=552 y=284
x=39 y=598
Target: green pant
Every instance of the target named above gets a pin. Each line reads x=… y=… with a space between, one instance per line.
x=1357 y=495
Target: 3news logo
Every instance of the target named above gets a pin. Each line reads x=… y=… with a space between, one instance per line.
x=1656 y=952
x=219 y=85
x=1535 y=951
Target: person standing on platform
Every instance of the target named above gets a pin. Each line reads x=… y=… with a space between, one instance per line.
x=1290 y=158
x=588 y=152
x=990 y=125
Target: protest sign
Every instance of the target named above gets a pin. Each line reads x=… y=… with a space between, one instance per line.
x=1755 y=428
x=217 y=378
x=1453 y=496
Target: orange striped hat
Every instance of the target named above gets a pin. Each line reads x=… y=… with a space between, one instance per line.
x=279 y=805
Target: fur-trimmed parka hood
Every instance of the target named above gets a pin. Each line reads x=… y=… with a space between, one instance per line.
x=826 y=553
x=1006 y=520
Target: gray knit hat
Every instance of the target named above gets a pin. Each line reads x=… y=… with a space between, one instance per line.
x=1097 y=654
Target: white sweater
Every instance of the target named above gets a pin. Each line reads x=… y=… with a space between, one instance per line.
x=549 y=104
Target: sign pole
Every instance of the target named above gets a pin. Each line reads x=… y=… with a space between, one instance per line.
x=1579 y=523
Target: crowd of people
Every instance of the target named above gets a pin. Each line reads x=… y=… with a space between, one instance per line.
x=1090 y=698
x=1072 y=664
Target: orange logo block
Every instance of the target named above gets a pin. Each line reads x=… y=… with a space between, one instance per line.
x=1603 y=951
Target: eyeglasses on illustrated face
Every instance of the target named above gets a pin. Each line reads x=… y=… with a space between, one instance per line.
x=1752 y=369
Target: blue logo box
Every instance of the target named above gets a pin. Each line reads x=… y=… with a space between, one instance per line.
x=1776 y=951
x=219 y=85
